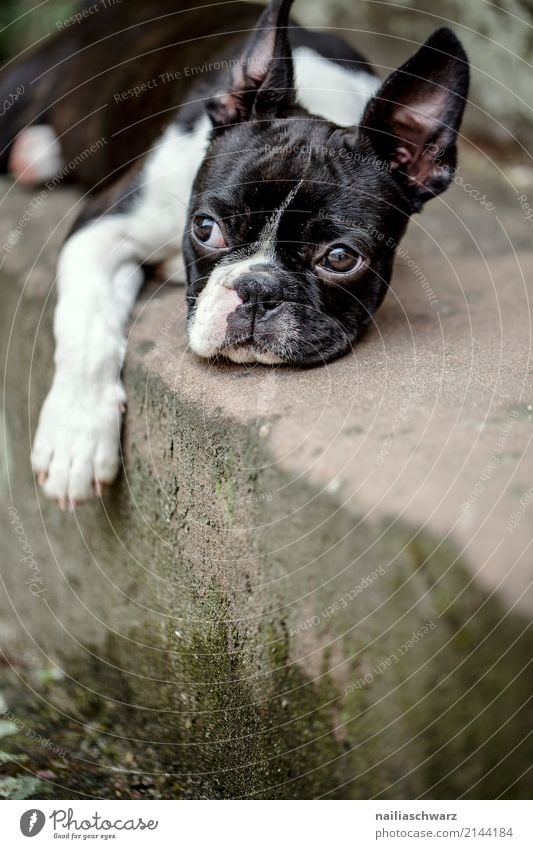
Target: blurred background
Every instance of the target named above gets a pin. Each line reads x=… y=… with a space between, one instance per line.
x=498 y=37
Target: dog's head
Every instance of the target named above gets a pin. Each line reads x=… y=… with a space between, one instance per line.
x=294 y=221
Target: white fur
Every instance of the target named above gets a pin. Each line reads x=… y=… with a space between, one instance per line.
x=218 y=299
x=76 y=447
x=330 y=90
x=160 y=215
x=249 y=354
x=216 y=302
x=35 y=155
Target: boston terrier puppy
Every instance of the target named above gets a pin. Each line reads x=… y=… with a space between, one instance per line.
x=281 y=191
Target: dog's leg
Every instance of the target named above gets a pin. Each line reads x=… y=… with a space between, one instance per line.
x=76 y=448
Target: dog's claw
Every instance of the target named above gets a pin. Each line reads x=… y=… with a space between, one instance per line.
x=73 y=503
x=75 y=449
x=100 y=487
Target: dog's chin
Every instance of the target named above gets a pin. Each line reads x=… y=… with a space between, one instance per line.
x=235 y=351
x=250 y=354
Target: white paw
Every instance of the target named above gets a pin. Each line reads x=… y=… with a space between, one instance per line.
x=76 y=450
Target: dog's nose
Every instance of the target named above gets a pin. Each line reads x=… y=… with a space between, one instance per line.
x=259 y=287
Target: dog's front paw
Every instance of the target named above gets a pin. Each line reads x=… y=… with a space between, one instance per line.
x=76 y=450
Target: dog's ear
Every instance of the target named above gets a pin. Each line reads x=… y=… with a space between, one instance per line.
x=262 y=80
x=413 y=120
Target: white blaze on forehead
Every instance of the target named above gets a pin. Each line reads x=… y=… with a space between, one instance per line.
x=267 y=239
x=218 y=299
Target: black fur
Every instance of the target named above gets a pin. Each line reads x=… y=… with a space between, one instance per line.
x=360 y=186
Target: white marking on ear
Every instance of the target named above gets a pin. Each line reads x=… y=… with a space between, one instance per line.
x=330 y=90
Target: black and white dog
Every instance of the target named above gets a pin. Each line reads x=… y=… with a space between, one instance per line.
x=282 y=191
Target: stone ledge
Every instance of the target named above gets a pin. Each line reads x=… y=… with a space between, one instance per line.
x=246 y=596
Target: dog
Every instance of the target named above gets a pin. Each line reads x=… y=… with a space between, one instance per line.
x=280 y=192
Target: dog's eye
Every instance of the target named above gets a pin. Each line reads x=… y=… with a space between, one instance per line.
x=342 y=260
x=207 y=231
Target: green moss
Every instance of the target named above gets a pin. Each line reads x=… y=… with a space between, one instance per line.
x=239 y=673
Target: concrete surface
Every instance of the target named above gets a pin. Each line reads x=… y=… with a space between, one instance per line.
x=237 y=617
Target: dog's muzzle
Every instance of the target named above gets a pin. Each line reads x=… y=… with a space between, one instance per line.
x=241 y=316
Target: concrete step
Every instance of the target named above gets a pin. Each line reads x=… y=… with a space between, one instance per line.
x=304 y=583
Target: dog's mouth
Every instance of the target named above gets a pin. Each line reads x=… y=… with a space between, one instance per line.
x=242 y=333
x=254 y=334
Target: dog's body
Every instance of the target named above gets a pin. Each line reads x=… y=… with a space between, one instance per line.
x=279 y=210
